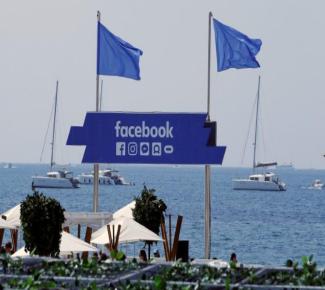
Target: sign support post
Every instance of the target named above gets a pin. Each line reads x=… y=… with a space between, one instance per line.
x=96 y=165
x=207 y=171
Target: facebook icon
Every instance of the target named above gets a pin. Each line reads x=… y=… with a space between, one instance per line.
x=120 y=149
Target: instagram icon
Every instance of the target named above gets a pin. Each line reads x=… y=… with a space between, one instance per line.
x=132 y=148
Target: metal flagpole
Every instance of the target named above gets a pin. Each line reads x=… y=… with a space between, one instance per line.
x=101 y=96
x=209 y=65
x=207 y=175
x=96 y=165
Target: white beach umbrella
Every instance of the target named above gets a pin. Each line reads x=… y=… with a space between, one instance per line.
x=131 y=231
x=5 y=225
x=20 y=253
x=12 y=216
x=69 y=244
x=125 y=211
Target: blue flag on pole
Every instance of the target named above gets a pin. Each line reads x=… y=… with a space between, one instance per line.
x=115 y=56
x=235 y=49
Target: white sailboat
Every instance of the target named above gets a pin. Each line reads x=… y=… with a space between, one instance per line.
x=55 y=178
x=259 y=181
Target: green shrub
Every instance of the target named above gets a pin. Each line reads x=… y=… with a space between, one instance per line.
x=41 y=219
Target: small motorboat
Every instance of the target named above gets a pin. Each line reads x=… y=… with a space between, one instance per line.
x=317 y=184
x=8 y=166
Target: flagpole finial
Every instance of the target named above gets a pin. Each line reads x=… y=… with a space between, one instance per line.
x=98 y=15
x=210 y=14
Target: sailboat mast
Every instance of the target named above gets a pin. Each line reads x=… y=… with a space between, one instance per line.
x=256 y=120
x=54 y=123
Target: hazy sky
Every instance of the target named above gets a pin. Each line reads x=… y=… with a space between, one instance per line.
x=42 y=41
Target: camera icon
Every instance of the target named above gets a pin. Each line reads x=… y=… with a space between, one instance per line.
x=144 y=148
x=132 y=148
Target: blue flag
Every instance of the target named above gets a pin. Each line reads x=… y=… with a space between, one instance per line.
x=115 y=56
x=235 y=49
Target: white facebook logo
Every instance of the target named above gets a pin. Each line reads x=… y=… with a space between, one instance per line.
x=120 y=149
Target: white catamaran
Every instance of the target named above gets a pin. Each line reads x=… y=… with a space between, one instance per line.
x=55 y=178
x=259 y=181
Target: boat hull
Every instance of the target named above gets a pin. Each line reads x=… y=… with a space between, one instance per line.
x=51 y=182
x=246 y=184
x=103 y=180
x=89 y=179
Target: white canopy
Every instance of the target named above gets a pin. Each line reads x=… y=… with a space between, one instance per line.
x=93 y=219
x=20 y=253
x=69 y=244
x=12 y=216
x=125 y=211
x=5 y=225
x=131 y=231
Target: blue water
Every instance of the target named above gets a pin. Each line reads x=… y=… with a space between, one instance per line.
x=261 y=227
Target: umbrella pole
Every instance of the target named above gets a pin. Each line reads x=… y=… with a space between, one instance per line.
x=149 y=244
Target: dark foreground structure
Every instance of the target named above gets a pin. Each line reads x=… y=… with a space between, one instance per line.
x=44 y=273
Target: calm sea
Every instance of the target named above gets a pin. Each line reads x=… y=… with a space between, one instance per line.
x=261 y=227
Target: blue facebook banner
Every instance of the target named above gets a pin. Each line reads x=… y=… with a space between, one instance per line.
x=148 y=138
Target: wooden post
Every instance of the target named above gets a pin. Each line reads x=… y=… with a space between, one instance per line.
x=176 y=237
x=165 y=241
x=170 y=229
x=112 y=239
x=170 y=250
x=1 y=236
x=87 y=240
x=79 y=231
x=14 y=239
x=113 y=243
x=117 y=236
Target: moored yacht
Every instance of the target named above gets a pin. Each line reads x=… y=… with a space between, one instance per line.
x=317 y=184
x=259 y=181
x=106 y=177
x=8 y=166
x=264 y=181
x=55 y=179
x=88 y=178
